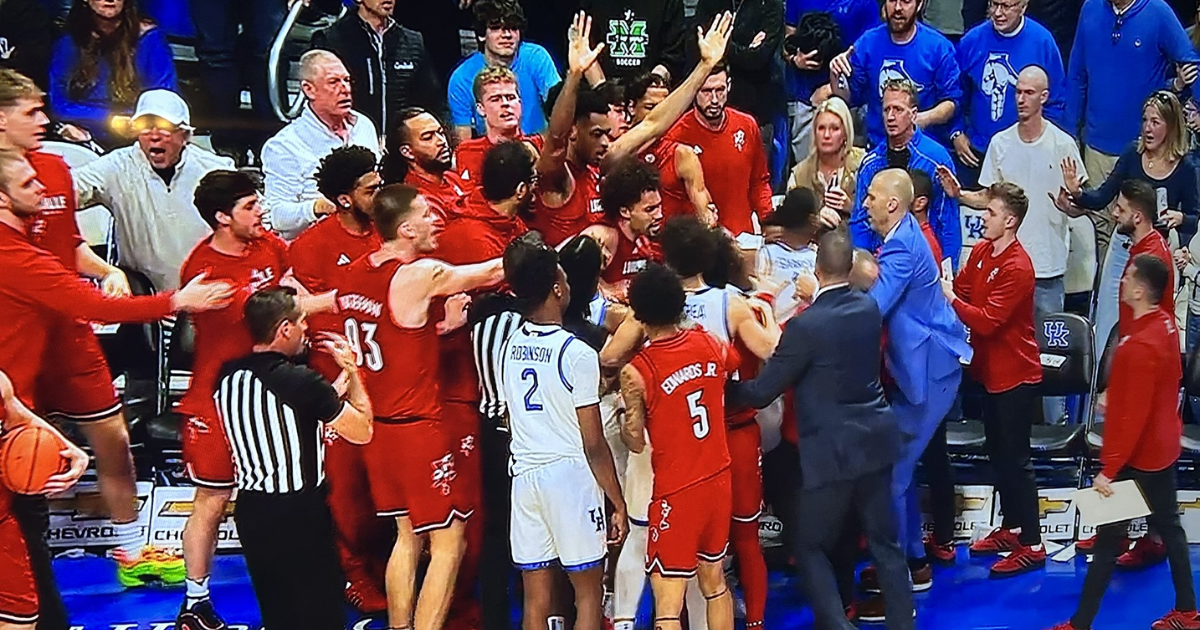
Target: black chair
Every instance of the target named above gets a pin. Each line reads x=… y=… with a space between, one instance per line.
x=165 y=430
x=1191 y=387
x=1095 y=433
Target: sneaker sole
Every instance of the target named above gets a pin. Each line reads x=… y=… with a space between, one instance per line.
x=1140 y=567
x=1000 y=575
x=922 y=587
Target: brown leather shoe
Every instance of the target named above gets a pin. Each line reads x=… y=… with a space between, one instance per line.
x=922 y=579
x=871 y=609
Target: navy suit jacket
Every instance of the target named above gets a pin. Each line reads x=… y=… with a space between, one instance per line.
x=925 y=339
x=829 y=356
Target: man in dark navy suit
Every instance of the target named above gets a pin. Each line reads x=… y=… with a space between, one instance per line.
x=829 y=356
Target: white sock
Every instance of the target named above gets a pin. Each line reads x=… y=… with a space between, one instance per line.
x=129 y=540
x=197 y=591
x=631 y=577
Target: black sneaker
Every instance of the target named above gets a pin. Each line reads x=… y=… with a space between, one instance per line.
x=199 y=617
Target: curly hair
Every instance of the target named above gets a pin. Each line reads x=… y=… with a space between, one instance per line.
x=656 y=296
x=117 y=48
x=688 y=246
x=342 y=168
x=624 y=184
x=494 y=13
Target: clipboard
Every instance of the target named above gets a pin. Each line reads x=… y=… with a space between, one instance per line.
x=1126 y=503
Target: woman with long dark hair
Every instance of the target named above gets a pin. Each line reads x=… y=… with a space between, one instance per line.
x=108 y=56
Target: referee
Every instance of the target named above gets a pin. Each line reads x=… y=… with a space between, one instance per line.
x=277 y=415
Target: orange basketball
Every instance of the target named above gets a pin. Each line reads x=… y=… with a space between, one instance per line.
x=29 y=455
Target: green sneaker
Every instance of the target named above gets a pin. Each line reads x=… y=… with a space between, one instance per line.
x=154 y=565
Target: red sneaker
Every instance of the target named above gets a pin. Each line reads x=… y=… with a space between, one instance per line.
x=999 y=541
x=868 y=580
x=1178 y=620
x=941 y=554
x=1023 y=559
x=1145 y=552
x=1088 y=545
x=365 y=597
x=851 y=612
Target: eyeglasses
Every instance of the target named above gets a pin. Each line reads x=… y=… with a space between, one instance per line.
x=146 y=124
x=1006 y=7
x=1116 y=34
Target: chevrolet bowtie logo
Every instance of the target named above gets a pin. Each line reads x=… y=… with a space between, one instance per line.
x=184 y=508
x=1193 y=505
x=1052 y=506
x=964 y=503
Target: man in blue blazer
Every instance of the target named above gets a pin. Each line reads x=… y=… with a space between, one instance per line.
x=926 y=345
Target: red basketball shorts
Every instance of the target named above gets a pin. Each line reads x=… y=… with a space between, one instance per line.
x=745 y=469
x=690 y=526
x=460 y=423
x=75 y=382
x=18 y=591
x=411 y=471
x=206 y=453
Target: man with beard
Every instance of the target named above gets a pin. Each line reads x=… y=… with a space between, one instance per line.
x=419 y=155
x=348 y=177
x=632 y=216
x=730 y=148
x=1135 y=214
x=901 y=48
x=497 y=98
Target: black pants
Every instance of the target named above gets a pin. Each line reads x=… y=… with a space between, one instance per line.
x=825 y=510
x=1159 y=490
x=495 y=560
x=33 y=515
x=939 y=476
x=288 y=543
x=1008 y=418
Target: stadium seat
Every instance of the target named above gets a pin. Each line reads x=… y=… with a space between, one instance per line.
x=165 y=429
x=1191 y=387
x=1095 y=434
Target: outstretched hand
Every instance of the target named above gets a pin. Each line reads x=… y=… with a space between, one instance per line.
x=713 y=42
x=580 y=54
x=950 y=183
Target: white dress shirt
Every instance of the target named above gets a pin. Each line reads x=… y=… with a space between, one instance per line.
x=290 y=160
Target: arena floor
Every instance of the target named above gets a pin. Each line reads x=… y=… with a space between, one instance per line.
x=962 y=598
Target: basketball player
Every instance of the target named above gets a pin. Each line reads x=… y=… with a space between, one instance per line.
x=348 y=177
x=18 y=590
x=497 y=99
x=384 y=302
x=561 y=464
x=791 y=253
x=632 y=217
x=420 y=145
x=76 y=384
x=674 y=392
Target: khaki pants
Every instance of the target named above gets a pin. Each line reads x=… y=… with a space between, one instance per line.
x=1098 y=166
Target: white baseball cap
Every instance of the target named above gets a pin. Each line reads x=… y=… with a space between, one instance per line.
x=166 y=105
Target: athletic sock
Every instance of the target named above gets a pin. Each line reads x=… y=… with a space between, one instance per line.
x=752 y=570
x=129 y=540
x=197 y=591
x=630 y=579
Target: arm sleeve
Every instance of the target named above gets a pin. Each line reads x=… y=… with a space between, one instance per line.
x=746 y=58
x=462 y=102
x=284 y=190
x=311 y=391
x=1099 y=198
x=582 y=373
x=947 y=224
x=1186 y=171
x=1010 y=287
x=895 y=270
x=547 y=75
x=90 y=188
x=155 y=65
x=1127 y=419
x=62 y=62
x=1177 y=46
x=965 y=87
x=947 y=76
x=860 y=224
x=428 y=86
x=988 y=172
x=1076 y=99
x=791 y=359
x=858 y=81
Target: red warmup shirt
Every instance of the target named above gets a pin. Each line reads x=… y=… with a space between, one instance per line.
x=476 y=235
x=995 y=301
x=931 y=238
x=685 y=377
x=35 y=287
x=582 y=209
x=1155 y=244
x=1142 y=427
x=319 y=255
x=221 y=335
x=445 y=197
x=55 y=228
x=735 y=166
x=675 y=201
x=469 y=154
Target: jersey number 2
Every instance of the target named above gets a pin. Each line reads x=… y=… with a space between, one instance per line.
x=531 y=374
x=699 y=414
x=366 y=349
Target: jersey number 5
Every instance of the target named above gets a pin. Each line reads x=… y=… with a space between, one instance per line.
x=699 y=414
x=361 y=337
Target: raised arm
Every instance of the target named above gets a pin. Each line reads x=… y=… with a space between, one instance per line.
x=623 y=344
x=356 y=420
x=551 y=164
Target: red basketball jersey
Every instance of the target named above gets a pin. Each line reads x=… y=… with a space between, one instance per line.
x=222 y=335
x=580 y=211
x=400 y=364
x=675 y=201
x=629 y=258
x=685 y=377
x=469 y=154
x=54 y=228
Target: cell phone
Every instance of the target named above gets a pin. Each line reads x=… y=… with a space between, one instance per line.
x=834 y=180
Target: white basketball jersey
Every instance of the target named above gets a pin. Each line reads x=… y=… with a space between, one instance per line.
x=546 y=374
x=779 y=264
x=709 y=307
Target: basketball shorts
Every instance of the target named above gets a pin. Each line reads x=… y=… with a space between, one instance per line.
x=207 y=457
x=558 y=518
x=18 y=590
x=460 y=422
x=411 y=471
x=75 y=383
x=745 y=469
x=690 y=526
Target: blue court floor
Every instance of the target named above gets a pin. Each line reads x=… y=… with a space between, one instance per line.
x=962 y=598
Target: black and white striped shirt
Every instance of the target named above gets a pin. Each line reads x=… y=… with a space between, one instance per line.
x=274 y=413
x=494 y=321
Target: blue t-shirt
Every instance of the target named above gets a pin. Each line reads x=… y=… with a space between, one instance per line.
x=927 y=60
x=853 y=18
x=990 y=63
x=535 y=72
x=1113 y=70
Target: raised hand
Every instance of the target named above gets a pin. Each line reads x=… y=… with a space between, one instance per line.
x=1070 y=173
x=580 y=54
x=950 y=183
x=713 y=42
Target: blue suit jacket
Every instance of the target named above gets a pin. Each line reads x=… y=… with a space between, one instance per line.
x=925 y=338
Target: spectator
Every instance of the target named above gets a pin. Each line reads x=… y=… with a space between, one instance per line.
x=817 y=30
x=107 y=57
x=498 y=25
x=907 y=147
x=831 y=168
x=498 y=98
x=990 y=56
x=642 y=35
x=900 y=49
x=26 y=36
x=752 y=56
x=1140 y=41
x=290 y=158
x=148 y=187
x=388 y=63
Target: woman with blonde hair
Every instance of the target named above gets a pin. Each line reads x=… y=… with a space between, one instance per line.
x=830 y=170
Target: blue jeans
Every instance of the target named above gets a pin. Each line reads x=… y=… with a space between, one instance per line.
x=1048 y=297
x=1108 y=296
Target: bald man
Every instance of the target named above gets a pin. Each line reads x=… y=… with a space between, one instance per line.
x=926 y=346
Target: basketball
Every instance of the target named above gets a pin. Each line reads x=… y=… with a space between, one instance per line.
x=29 y=456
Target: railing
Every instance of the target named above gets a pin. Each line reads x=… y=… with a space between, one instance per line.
x=277 y=95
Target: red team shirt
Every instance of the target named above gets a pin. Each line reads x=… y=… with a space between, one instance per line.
x=581 y=210
x=675 y=201
x=730 y=156
x=222 y=335
x=468 y=156
x=685 y=377
x=55 y=228
x=996 y=303
x=1155 y=244
x=444 y=197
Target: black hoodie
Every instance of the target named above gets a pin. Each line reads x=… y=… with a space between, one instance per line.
x=640 y=34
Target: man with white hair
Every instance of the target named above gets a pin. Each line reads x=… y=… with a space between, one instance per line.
x=148 y=187
x=290 y=158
